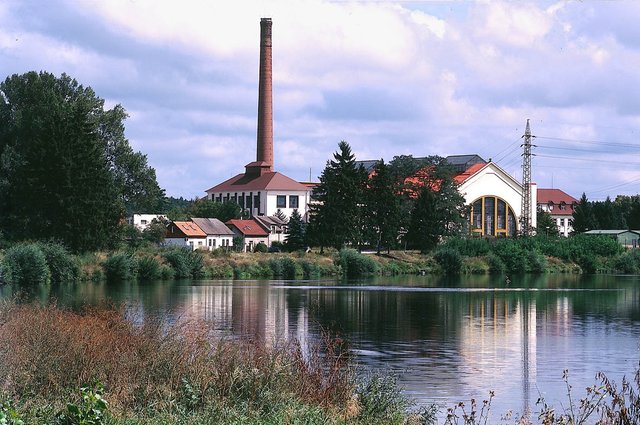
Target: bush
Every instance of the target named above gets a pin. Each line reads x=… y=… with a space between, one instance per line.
x=185 y=263
x=536 y=262
x=149 y=268
x=260 y=247
x=310 y=270
x=512 y=253
x=25 y=264
x=290 y=269
x=355 y=264
x=496 y=265
x=628 y=263
x=449 y=260
x=380 y=399
x=120 y=266
x=62 y=265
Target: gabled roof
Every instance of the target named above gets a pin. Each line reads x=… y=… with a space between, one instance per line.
x=271 y=180
x=461 y=163
x=554 y=195
x=248 y=227
x=212 y=226
x=189 y=229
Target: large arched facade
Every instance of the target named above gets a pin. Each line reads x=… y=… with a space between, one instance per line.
x=495 y=200
x=492 y=216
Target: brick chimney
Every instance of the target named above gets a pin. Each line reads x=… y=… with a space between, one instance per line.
x=264 y=151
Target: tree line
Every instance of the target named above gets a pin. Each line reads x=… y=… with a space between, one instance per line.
x=619 y=214
x=408 y=202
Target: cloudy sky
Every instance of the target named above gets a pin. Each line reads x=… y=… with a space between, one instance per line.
x=389 y=77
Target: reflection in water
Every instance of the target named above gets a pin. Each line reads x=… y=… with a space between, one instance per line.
x=449 y=339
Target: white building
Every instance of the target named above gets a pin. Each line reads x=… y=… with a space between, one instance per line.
x=218 y=234
x=142 y=221
x=560 y=206
x=185 y=234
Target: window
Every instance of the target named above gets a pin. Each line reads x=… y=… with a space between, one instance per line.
x=492 y=216
x=210 y=242
x=214 y=243
x=293 y=201
x=143 y=221
x=281 y=201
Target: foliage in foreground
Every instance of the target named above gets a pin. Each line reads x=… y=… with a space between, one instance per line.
x=156 y=372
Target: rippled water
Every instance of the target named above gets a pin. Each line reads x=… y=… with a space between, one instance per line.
x=447 y=339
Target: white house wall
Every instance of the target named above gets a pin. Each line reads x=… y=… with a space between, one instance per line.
x=492 y=181
x=193 y=243
x=216 y=241
x=272 y=200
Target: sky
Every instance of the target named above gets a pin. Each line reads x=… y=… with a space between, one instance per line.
x=389 y=77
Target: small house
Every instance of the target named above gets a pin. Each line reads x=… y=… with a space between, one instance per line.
x=626 y=238
x=185 y=234
x=251 y=232
x=218 y=234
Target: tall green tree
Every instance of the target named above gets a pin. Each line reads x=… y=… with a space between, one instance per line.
x=583 y=217
x=382 y=209
x=439 y=211
x=65 y=170
x=608 y=215
x=296 y=236
x=335 y=219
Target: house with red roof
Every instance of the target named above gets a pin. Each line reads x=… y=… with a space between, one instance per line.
x=251 y=232
x=561 y=207
x=185 y=234
x=494 y=196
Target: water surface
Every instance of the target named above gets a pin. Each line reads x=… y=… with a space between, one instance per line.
x=448 y=339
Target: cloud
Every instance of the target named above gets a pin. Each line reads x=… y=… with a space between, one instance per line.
x=391 y=78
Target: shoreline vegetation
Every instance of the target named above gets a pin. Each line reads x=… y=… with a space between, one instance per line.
x=96 y=366
x=50 y=262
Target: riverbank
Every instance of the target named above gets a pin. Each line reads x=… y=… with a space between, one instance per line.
x=95 y=366
x=34 y=263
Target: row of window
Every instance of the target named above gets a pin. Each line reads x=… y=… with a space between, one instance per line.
x=212 y=243
x=281 y=201
x=251 y=201
x=491 y=216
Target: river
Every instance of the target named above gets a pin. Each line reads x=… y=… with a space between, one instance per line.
x=447 y=339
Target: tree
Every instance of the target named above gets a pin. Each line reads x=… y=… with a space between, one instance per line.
x=439 y=211
x=335 y=218
x=546 y=225
x=583 y=218
x=382 y=208
x=66 y=170
x=608 y=215
x=206 y=208
x=296 y=237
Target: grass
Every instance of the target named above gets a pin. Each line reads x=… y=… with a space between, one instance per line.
x=156 y=372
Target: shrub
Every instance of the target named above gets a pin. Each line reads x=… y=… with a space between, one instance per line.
x=380 y=399
x=149 y=268
x=120 y=266
x=496 y=265
x=25 y=264
x=90 y=410
x=449 y=260
x=62 y=265
x=310 y=270
x=260 y=247
x=628 y=263
x=536 y=262
x=512 y=253
x=290 y=269
x=355 y=264
x=276 y=266
x=185 y=263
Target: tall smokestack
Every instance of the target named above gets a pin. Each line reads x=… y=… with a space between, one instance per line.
x=265 y=104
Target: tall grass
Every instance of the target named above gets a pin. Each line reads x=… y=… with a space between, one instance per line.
x=159 y=370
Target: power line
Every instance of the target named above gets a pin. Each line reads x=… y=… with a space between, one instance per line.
x=592 y=142
x=579 y=150
x=569 y=158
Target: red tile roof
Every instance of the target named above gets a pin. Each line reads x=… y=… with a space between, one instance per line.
x=267 y=181
x=554 y=195
x=248 y=227
x=466 y=174
x=188 y=228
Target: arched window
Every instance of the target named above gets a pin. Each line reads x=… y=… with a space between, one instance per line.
x=492 y=216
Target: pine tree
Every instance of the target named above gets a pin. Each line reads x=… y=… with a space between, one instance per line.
x=335 y=219
x=296 y=238
x=546 y=225
x=583 y=218
x=382 y=209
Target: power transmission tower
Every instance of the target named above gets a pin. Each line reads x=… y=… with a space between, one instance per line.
x=525 y=217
